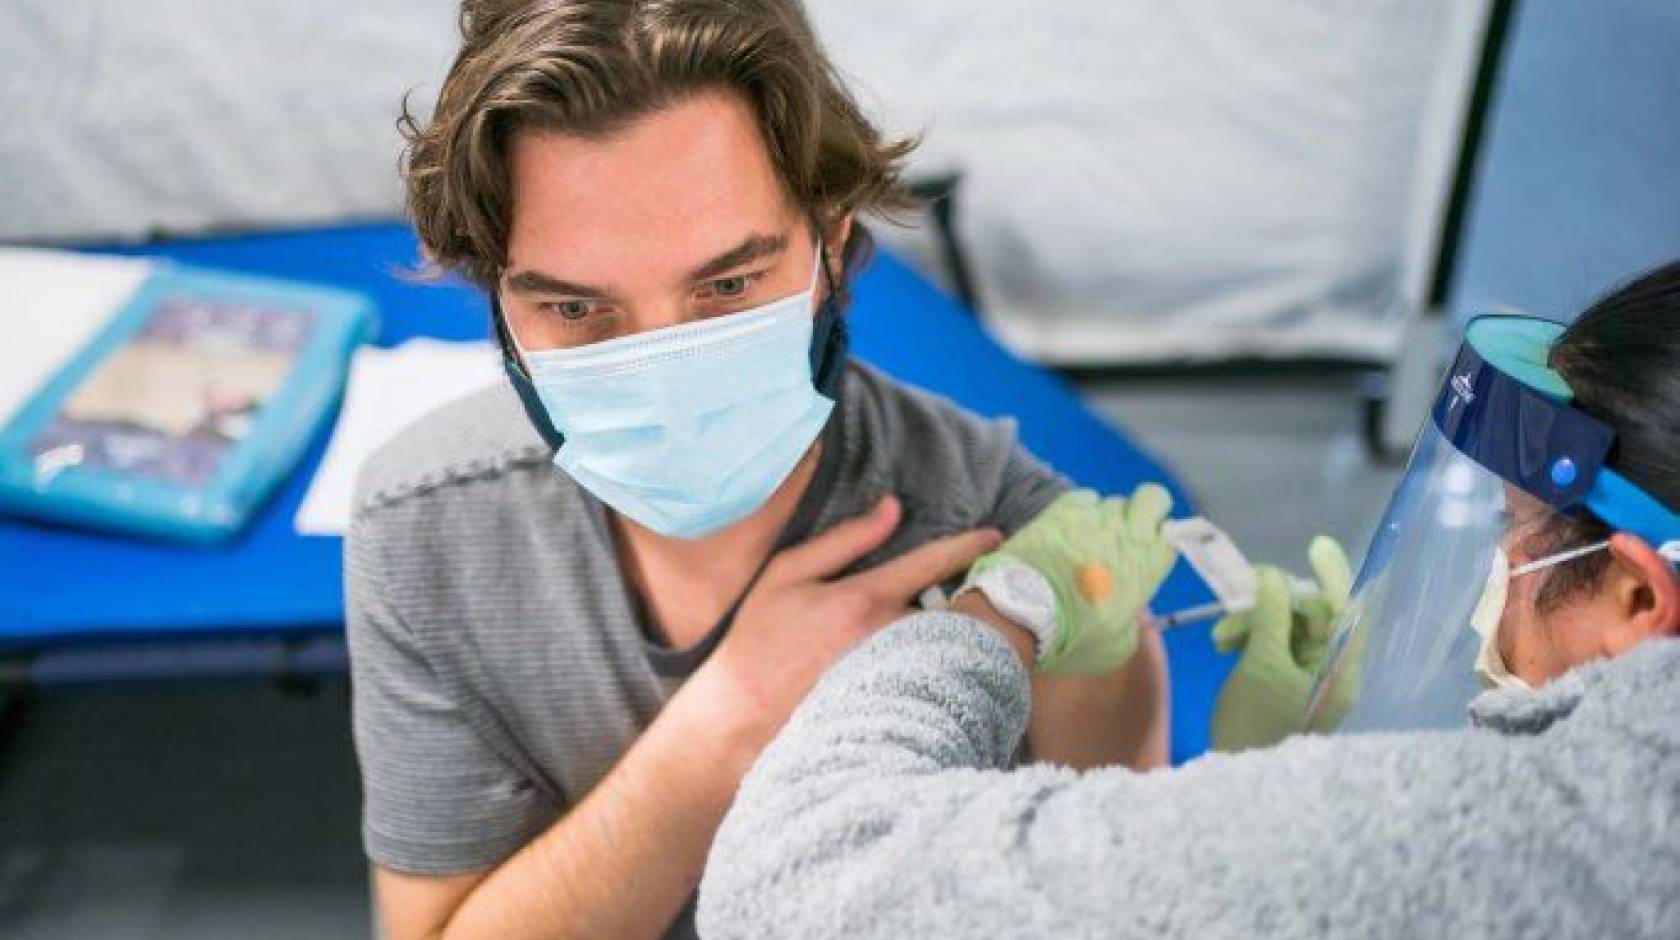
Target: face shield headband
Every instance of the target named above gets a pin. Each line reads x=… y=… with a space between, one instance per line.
x=1505 y=408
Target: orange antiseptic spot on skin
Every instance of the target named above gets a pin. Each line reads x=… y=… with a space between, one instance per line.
x=1094 y=582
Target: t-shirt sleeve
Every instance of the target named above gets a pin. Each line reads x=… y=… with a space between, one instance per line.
x=957 y=467
x=436 y=798
x=1025 y=485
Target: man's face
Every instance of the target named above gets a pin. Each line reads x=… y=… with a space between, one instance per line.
x=678 y=217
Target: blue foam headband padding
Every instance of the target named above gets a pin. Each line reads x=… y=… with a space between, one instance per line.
x=1628 y=508
x=1505 y=408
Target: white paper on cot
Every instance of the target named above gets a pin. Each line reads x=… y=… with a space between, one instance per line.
x=388 y=389
x=1216 y=559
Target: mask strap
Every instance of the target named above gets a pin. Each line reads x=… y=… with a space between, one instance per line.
x=821 y=268
x=513 y=343
x=1671 y=552
x=529 y=400
x=829 y=338
x=1559 y=558
x=822 y=256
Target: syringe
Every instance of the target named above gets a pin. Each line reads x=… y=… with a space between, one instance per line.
x=1299 y=589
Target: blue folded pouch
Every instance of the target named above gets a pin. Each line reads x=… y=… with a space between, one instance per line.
x=187 y=409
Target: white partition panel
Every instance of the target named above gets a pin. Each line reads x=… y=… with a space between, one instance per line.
x=1187 y=180
x=1144 y=180
x=119 y=118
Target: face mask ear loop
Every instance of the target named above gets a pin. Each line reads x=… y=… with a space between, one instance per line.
x=1559 y=558
x=822 y=258
x=514 y=352
x=827 y=271
x=822 y=267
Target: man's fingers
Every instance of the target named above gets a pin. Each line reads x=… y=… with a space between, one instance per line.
x=826 y=555
x=908 y=575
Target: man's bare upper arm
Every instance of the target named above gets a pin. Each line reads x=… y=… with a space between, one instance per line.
x=418 y=907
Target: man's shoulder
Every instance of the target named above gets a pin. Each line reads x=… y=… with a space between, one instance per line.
x=480 y=437
x=947 y=462
x=901 y=416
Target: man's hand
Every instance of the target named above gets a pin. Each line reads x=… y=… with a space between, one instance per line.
x=799 y=618
x=1101 y=560
x=622 y=862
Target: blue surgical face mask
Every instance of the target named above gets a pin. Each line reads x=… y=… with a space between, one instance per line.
x=689 y=428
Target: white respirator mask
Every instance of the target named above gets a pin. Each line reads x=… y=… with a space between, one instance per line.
x=1491 y=670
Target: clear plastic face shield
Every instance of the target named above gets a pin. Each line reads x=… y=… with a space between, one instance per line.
x=1503 y=455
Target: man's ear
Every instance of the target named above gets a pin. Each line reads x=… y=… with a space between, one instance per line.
x=1645 y=589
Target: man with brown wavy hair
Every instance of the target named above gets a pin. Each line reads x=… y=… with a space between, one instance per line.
x=561 y=675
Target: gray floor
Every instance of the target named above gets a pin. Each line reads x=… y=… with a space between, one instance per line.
x=228 y=809
x=184 y=810
x=1272 y=460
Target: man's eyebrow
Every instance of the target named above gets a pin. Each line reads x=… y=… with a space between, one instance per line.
x=752 y=248
x=536 y=282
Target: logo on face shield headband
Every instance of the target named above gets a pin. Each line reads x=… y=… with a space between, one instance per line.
x=1463 y=392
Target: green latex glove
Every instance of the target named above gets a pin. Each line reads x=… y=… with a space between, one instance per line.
x=1284 y=643
x=1103 y=559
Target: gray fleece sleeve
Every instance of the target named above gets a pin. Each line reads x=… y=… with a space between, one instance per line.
x=884 y=811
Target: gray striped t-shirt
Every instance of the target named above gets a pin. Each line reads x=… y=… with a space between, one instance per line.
x=500 y=664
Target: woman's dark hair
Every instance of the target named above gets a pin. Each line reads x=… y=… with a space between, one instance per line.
x=1622 y=361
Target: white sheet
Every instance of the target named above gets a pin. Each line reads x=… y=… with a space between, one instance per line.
x=1201 y=179
x=1145 y=180
x=52 y=303
x=125 y=118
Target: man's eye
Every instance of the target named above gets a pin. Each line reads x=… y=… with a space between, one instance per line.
x=731 y=286
x=568 y=309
